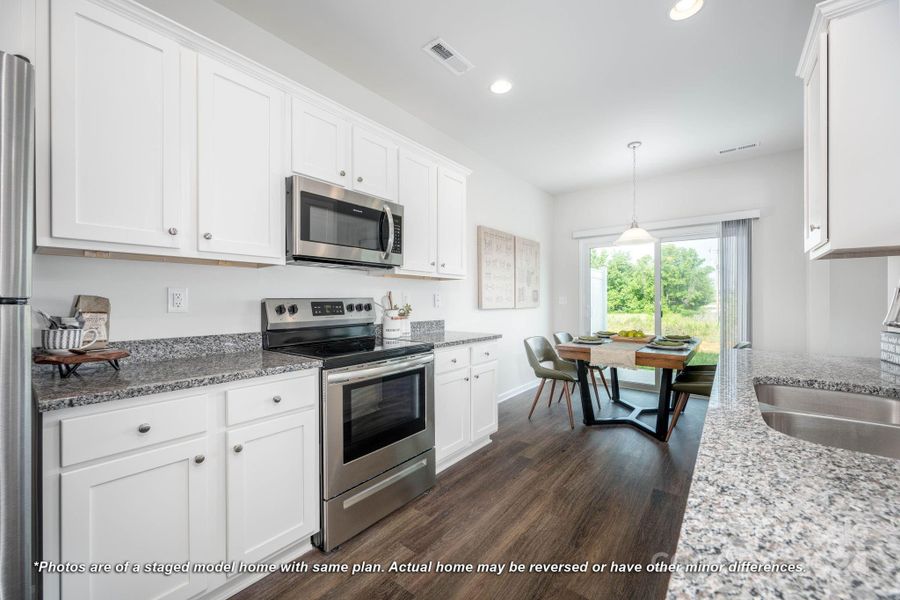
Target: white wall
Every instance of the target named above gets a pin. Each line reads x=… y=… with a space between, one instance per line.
x=226 y=299
x=770 y=183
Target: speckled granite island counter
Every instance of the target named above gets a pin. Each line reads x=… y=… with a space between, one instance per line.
x=761 y=496
x=445 y=339
x=158 y=366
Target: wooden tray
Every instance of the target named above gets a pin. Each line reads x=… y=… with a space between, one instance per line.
x=637 y=340
x=69 y=363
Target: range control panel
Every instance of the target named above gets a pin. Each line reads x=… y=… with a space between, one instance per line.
x=295 y=313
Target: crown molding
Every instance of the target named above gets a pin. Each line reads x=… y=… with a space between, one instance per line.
x=823 y=13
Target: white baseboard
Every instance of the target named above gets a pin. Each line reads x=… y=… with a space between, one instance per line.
x=530 y=385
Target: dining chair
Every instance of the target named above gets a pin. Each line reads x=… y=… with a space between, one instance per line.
x=686 y=384
x=564 y=337
x=547 y=364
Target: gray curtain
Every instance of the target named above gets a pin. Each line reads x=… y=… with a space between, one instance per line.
x=734 y=282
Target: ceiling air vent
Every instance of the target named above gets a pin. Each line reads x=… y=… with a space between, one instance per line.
x=740 y=148
x=447 y=56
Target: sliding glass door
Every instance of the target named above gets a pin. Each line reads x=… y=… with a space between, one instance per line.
x=666 y=287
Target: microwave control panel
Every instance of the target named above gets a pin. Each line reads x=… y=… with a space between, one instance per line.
x=398 y=243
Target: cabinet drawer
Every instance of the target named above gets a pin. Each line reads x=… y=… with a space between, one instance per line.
x=104 y=434
x=482 y=353
x=267 y=399
x=454 y=358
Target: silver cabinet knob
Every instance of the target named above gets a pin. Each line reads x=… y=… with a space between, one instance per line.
x=199 y=458
x=207 y=236
x=343 y=172
x=477 y=376
x=453 y=360
x=443 y=265
x=487 y=353
x=276 y=399
x=432 y=263
x=173 y=231
x=359 y=179
x=238 y=448
x=467 y=378
x=814 y=227
x=143 y=427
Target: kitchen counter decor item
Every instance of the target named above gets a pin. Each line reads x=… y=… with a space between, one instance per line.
x=395 y=322
x=63 y=341
x=68 y=364
x=94 y=310
x=637 y=337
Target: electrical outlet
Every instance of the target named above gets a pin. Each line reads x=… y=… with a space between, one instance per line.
x=177 y=300
x=437 y=300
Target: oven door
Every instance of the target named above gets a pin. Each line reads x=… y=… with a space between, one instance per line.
x=375 y=417
x=331 y=224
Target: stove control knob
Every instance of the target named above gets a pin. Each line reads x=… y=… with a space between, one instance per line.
x=349 y=308
x=292 y=309
x=368 y=307
x=280 y=309
x=359 y=307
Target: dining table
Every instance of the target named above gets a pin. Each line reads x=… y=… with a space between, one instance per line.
x=667 y=360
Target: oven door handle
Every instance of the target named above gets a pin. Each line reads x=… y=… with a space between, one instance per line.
x=380 y=371
x=390 y=236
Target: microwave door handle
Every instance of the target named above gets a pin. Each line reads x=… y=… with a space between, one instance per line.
x=390 y=238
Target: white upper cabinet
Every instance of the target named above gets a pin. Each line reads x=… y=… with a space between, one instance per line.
x=115 y=129
x=851 y=72
x=451 y=220
x=320 y=143
x=418 y=195
x=374 y=164
x=240 y=163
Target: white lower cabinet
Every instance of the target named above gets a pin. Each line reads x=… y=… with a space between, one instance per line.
x=144 y=508
x=169 y=494
x=465 y=401
x=272 y=499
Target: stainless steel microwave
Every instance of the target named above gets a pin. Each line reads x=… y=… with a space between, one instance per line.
x=330 y=225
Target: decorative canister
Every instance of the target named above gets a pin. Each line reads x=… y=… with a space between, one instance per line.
x=394 y=326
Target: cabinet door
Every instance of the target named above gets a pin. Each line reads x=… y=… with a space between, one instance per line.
x=815 y=94
x=418 y=195
x=452 y=413
x=240 y=170
x=115 y=128
x=374 y=164
x=320 y=143
x=273 y=485
x=451 y=218
x=148 y=507
x=484 y=400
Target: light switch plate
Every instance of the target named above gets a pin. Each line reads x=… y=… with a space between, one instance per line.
x=177 y=300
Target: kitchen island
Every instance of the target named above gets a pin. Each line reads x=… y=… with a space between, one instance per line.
x=759 y=496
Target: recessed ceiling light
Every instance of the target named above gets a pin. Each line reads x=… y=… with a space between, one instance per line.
x=501 y=86
x=684 y=9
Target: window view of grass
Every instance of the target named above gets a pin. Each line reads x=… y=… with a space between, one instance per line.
x=689 y=296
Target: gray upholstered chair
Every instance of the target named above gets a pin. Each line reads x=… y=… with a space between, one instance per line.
x=547 y=364
x=564 y=337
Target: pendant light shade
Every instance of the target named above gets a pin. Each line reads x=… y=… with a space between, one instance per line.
x=634 y=234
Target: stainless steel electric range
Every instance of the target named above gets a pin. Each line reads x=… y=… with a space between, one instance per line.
x=377 y=409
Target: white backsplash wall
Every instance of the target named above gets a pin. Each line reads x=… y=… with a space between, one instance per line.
x=226 y=299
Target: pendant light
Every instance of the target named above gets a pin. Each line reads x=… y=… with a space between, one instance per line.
x=634 y=234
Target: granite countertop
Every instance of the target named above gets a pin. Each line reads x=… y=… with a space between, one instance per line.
x=444 y=339
x=761 y=496
x=102 y=384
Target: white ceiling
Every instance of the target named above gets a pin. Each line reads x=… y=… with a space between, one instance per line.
x=589 y=76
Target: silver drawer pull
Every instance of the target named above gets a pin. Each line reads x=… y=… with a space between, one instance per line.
x=143 y=427
x=487 y=353
x=199 y=458
x=207 y=236
x=453 y=360
x=342 y=173
x=477 y=376
x=238 y=448
x=359 y=179
x=814 y=227
x=276 y=399
x=467 y=378
x=173 y=231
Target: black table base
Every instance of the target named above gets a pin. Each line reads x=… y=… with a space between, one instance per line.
x=661 y=411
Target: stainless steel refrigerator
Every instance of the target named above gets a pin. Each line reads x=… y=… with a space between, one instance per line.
x=16 y=226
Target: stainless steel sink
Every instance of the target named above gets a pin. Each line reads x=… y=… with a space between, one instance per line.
x=840 y=419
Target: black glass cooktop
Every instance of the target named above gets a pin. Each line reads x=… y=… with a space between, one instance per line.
x=355 y=351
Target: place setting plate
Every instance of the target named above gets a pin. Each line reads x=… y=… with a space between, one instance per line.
x=592 y=340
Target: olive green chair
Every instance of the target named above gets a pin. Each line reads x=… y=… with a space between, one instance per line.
x=547 y=364
x=564 y=337
x=697 y=383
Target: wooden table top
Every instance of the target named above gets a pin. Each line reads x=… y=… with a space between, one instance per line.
x=645 y=357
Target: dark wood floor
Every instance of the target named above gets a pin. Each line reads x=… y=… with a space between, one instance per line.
x=540 y=493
